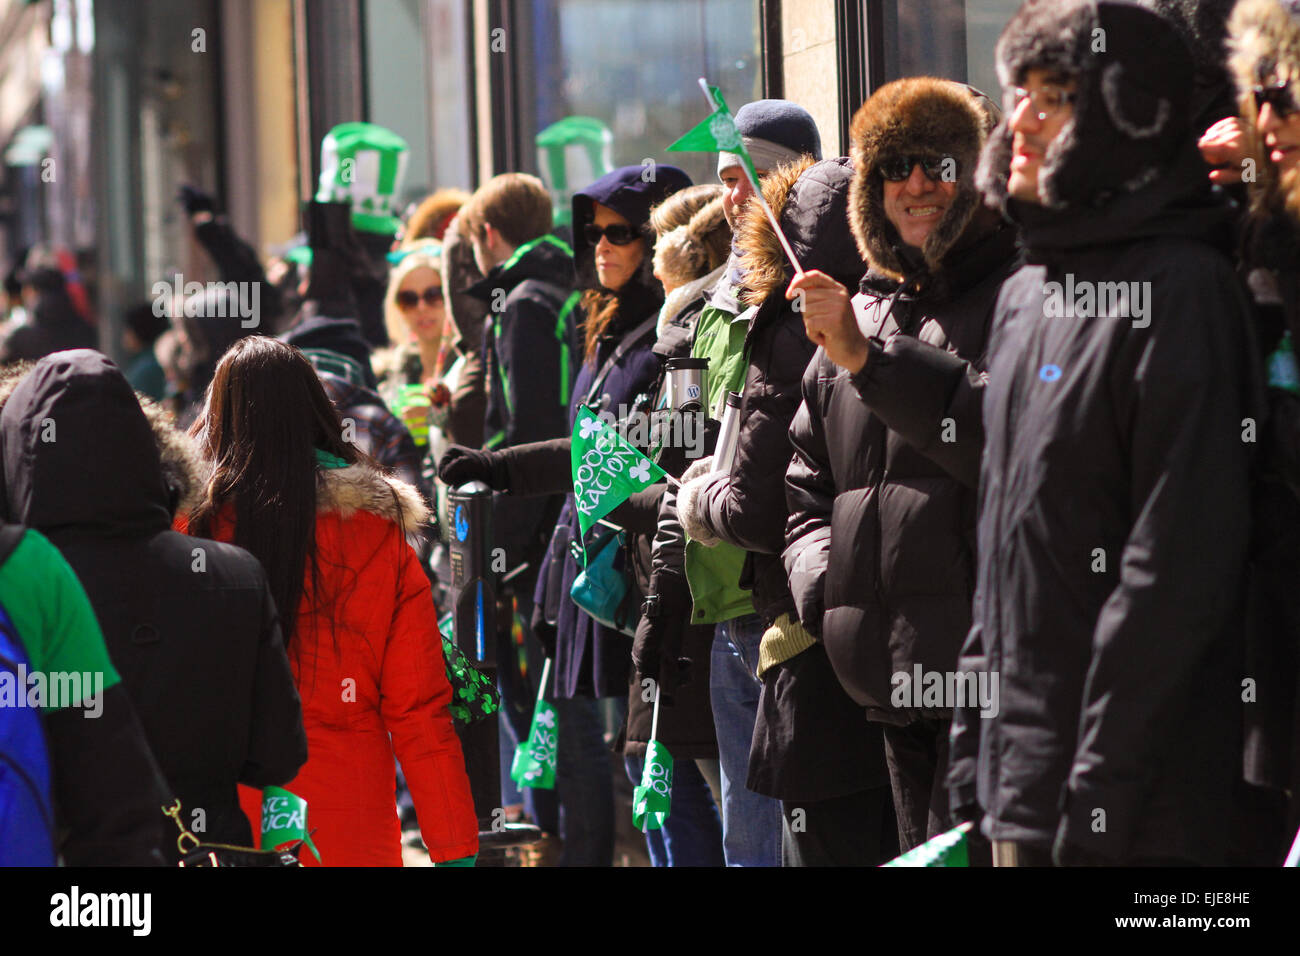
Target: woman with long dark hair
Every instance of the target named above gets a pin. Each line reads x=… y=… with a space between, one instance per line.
x=358 y=617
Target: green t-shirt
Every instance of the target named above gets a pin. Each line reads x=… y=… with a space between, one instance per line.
x=714 y=573
x=53 y=617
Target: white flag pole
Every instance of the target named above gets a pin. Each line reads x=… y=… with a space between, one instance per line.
x=758 y=194
x=546 y=672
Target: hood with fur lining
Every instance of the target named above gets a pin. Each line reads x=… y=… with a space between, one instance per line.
x=918 y=116
x=1134 y=78
x=810 y=200
x=361 y=487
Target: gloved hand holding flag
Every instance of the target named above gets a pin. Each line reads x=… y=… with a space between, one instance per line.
x=534 y=763
x=606 y=469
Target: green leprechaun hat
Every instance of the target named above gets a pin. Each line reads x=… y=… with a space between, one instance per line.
x=572 y=154
x=363 y=164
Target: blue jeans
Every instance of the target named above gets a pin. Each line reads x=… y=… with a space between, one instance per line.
x=692 y=834
x=751 y=824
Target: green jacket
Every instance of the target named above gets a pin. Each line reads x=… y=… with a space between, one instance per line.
x=714 y=573
x=52 y=615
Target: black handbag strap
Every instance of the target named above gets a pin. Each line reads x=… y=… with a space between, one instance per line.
x=629 y=342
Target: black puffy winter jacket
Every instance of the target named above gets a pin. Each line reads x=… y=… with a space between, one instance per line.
x=881 y=488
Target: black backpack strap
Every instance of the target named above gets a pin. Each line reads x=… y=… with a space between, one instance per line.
x=629 y=342
x=11 y=535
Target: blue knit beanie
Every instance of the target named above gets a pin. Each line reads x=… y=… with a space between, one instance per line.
x=774 y=132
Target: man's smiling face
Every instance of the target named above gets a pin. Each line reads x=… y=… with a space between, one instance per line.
x=917 y=204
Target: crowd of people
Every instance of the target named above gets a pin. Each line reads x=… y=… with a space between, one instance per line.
x=1007 y=534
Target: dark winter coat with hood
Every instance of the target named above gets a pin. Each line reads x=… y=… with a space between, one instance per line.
x=591 y=660
x=881 y=537
x=528 y=341
x=1114 y=489
x=189 y=624
x=810 y=740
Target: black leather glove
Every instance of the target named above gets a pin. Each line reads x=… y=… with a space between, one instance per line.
x=461 y=465
x=658 y=642
x=195 y=200
x=546 y=636
x=967 y=813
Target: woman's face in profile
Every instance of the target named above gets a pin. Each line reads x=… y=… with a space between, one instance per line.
x=615 y=264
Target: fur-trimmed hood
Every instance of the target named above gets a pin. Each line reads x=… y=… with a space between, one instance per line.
x=919 y=116
x=1134 y=79
x=810 y=199
x=684 y=295
x=361 y=487
x=1264 y=44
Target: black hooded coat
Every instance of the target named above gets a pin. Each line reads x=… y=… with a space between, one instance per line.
x=1115 y=484
x=190 y=624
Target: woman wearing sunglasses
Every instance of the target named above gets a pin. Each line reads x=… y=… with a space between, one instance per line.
x=416 y=318
x=1264 y=40
x=621 y=300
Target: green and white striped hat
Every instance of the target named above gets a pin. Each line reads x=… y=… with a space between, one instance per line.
x=363 y=164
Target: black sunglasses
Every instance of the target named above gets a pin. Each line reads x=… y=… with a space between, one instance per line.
x=897 y=169
x=408 y=299
x=1279 y=97
x=619 y=234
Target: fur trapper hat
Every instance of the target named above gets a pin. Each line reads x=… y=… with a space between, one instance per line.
x=1134 y=78
x=919 y=116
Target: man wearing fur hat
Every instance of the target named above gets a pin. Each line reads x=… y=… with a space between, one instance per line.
x=1114 y=488
x=887 y=443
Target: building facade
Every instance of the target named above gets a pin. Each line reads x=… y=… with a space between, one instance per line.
x=118 y=102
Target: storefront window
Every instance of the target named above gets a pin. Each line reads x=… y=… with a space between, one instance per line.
x=948 y=38
x=635 y=67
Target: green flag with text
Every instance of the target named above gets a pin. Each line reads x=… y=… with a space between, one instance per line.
x=606 y=469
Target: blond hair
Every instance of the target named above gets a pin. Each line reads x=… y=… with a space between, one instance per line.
x=426 y=254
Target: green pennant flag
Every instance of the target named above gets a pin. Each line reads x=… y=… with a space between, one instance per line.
x=717 y=134
x=652 y=801
x=947 y=849
x=534 y=763
x=284 y=820
x=606 y=469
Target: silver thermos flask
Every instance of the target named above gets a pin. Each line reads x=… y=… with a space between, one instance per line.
x=724 y=454
x=687 y=383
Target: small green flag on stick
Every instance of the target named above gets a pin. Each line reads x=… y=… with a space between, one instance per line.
x=284 y=820
x=606 y=469
x=653 y=800
x=718 y=134
x=534 y=763
x=947 y=849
